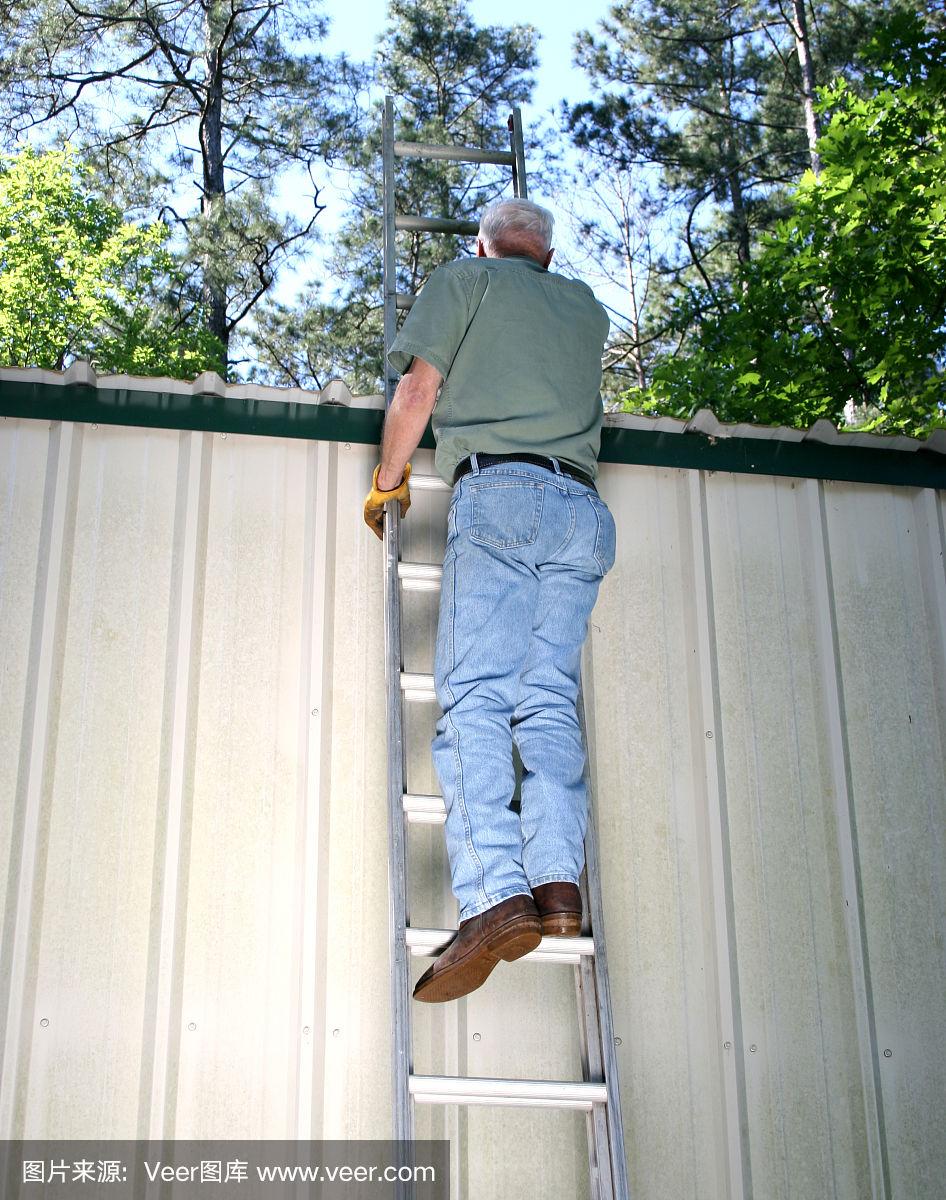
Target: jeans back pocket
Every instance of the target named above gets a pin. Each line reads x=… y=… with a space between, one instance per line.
x=505 y=513
x=606 y=535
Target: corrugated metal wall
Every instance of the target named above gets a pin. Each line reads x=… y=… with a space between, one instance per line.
x=192 y=793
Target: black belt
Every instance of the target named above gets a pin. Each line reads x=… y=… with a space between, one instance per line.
x=489 y=460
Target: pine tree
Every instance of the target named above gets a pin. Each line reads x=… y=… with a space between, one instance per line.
x=714 y=97
x=197 y=107
x=453 y=82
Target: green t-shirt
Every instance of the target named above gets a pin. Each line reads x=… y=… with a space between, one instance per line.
x=519 y=348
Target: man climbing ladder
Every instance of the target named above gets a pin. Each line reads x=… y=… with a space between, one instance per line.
x=517 y=421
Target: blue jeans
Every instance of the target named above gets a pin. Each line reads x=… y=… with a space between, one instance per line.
x=527 y=548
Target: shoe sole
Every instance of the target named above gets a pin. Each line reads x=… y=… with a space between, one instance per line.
x=561 y=925
x=512 y=941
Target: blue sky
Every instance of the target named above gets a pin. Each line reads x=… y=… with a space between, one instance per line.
x=356 y=23
x=355 y=26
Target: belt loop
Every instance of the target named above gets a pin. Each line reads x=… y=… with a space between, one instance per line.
x=474 y=463
x=554 y=462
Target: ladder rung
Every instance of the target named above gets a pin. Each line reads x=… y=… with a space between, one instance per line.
x=540 y=1093
x=424 y=810
x=420 y=577
x=429 y=483
x=425 y=943
x=453 y=153
x=404 y=300
x=417 y=687
x=435 y=225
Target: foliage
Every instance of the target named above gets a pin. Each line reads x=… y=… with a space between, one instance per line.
x=452 y=82
x=78 y=281
x=707 y=100
x=199 y=106
x=612 y=215
x=845 y=304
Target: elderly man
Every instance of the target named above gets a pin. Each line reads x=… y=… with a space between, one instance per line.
x=517 y=349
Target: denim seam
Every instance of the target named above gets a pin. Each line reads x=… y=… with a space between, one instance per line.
x=571 y=527
x=598 y=535
x=552 y=877
x=564 y=483
x=549 y=477
x=460 y=798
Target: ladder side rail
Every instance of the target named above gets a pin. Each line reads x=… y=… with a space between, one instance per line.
x=589 y=1040
x=605 y=1024
x=517 y=146
x=397 y=864
x=388 y=266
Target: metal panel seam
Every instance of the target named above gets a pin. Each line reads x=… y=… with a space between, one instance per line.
x=727 y=969
x=829 y=656
x=47 y=630
x=319 y=550
x=177 y=750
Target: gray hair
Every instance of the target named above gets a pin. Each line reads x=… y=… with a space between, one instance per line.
x=516 y=224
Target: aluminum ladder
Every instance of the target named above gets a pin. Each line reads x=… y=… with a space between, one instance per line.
x=597 y=1093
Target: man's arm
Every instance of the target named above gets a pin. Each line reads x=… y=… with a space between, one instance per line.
x=407 y=419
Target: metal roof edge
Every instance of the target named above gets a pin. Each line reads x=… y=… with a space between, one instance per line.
x=822 y=432
x=209 y=383
x=334 y=414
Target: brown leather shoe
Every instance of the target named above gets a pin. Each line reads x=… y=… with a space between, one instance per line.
x=507 y=930
x=559 y=906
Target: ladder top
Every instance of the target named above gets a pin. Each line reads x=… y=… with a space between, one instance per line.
x=453 y=153
x=436 y=225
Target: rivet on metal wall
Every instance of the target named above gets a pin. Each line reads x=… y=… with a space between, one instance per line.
x=315 y=712
x=617 y=1041
x=305 y=1030
x=752 y=1049
x=888 y=1053
x=709 y=733
x=95 y=426
x=336 y=1033
x=727 y=1045
x=44 y=1022
x=223 y=435
x=192 y=1026
x=476 y=1037
x=348 y=445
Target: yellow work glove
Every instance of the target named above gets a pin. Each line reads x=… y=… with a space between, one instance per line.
x=376 y=500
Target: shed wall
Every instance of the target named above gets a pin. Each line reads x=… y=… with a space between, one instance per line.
x=193 y=797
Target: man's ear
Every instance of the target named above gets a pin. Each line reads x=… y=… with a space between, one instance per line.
x=480 y=248
x=548 y=257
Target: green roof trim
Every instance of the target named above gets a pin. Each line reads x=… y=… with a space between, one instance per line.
x=807 y=458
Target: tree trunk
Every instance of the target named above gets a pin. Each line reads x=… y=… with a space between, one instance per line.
x=637 y=356
x=803 y=50
x=214 y=194
x=739 y=214
x=735 y=184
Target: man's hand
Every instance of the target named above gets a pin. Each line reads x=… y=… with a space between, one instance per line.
x=404 y=425
x=376 y=500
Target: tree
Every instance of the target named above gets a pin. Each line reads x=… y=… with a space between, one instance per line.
x=78 y=281
x=453 y=83
x=233 y=85
x=799 y=26
x=612 y=217
x=844 y=307
x=717 y=98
